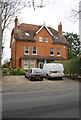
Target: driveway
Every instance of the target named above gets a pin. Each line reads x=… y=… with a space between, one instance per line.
x=20 y=84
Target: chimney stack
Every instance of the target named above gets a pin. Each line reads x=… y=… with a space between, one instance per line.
x=60 y=28
x=16 y=22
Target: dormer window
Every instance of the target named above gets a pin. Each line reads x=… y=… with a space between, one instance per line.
x=27 y=34
x=56 y=37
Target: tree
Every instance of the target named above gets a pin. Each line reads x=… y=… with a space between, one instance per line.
x=74 y=44
x=10 y=8
x=0 y=41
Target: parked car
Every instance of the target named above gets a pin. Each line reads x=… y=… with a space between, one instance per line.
x=34 y=73
x=53 y=70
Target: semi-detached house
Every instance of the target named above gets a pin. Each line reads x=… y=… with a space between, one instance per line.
x=33 y=45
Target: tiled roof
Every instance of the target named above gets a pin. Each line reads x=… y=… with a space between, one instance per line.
x=41 y=57
x=19 y=33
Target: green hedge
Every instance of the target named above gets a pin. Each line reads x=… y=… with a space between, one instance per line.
x=16 y=71
x=71 y=67
x=5 y=71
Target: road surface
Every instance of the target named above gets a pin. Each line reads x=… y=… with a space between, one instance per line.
x=42 y=104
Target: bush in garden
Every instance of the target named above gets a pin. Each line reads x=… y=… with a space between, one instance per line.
x=80 y=66
x=74 y=67
x=65 y=64
x=17 y=71
x=5 y=71
x=71 y=67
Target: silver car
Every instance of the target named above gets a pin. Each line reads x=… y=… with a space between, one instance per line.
x=34 y=73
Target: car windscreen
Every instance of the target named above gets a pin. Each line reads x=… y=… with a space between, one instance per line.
x=37 y=71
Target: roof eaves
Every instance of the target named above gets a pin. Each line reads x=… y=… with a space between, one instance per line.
x=58 y=42
x=46 y=28
x=25 y=39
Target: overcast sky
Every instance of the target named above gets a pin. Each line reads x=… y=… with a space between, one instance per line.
x=52 y=14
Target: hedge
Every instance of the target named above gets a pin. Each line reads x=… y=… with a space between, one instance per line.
x=16 y=71
x=71 y=67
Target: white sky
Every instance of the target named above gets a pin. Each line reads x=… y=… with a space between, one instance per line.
x=52 y=14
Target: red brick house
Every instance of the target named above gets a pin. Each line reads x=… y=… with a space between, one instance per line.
x=33 y=45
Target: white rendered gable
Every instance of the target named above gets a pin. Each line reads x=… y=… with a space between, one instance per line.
x=46 y=29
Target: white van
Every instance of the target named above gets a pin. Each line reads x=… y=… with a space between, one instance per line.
x=53 y=70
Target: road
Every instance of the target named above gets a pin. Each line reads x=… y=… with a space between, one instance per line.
x=42 y=104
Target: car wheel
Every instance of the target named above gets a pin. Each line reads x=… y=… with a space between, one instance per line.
x=47 y=77
x=25 y=76
x=30 y=78
x=41 y=79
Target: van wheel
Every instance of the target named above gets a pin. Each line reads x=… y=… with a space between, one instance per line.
x=60 y=78
x=47 y=77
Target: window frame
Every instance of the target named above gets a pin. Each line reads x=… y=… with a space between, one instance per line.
x=27 y=34
x=51 y=51
x=32 y=64
x=58 y=51
x=40 y=39
x=28 y=49
x=33 y=50
x=46 y=40
x=25 y=64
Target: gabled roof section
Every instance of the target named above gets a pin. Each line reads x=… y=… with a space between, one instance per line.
x=46 y=29
x=32 y=30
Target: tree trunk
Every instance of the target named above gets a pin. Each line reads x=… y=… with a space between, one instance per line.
x=0 y=44
x=0 y=62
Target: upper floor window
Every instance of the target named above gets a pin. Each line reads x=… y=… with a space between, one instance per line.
x=46 y=39
x=40 y=39
x=58 y=51
x=26 y=50
x=51 y=51
x=34 y=50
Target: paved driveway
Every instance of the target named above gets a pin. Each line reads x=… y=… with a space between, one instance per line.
x=19 y=84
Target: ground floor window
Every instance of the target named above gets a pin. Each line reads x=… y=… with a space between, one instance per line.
x=25 y=64
x=31 y=63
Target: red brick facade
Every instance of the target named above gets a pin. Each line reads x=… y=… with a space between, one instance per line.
x=55 y=42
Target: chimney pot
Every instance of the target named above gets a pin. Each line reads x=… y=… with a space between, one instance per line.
x=16 y=22
x=60 y=28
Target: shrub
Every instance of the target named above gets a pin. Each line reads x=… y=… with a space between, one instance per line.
x=17 y=71
x=5 y=71
x=74 y=67
x=71 y=67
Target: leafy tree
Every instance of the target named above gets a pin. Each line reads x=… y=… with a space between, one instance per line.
x=73 y=44
x=9 y=9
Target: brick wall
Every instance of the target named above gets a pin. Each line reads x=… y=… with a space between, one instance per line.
x=43 y=48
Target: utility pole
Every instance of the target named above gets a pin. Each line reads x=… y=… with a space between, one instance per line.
x=0 y=60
